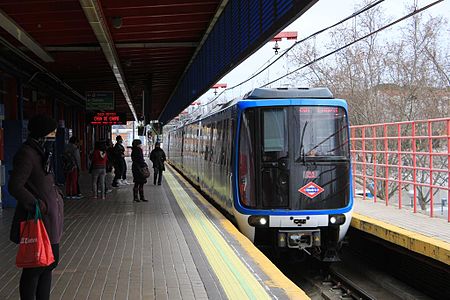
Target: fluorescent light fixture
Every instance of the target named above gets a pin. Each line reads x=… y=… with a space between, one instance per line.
x=22 y=36
x=95 y=16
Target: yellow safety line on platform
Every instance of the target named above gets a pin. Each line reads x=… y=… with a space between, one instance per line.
x=236 y=279
x=431 y=247
x=277 y=278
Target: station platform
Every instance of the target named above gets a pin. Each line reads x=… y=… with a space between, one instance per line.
x=414 y=231
x=176 y=246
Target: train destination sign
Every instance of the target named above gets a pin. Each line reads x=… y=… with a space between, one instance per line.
x=107 y=118
x=319 y=109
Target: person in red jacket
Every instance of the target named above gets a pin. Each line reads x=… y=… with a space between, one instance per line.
x=32 y=180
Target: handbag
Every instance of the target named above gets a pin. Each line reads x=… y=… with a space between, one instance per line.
x=145 y=172
x=35 y=249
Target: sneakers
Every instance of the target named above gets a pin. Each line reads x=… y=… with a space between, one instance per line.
x=125 y=182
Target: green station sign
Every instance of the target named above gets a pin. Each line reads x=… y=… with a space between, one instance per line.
x=100 y=100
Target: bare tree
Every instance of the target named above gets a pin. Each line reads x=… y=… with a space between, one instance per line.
x=385 y=80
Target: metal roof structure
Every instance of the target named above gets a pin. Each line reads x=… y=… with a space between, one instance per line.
x=157 y=56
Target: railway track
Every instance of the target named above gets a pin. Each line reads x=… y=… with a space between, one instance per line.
x=339 y=286
x=369 y=271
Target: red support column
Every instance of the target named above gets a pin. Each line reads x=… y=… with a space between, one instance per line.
x=399 y=164
x=448 y=166
x=430 y=150
x=11 y=99
x=364 y=170
x=386 y=165
x=353 y=159
x=414 y=164
x=374 y=158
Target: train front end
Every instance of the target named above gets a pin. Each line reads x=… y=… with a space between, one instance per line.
x=293 y=183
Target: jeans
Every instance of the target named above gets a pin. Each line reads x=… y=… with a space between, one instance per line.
x=98 y=179
x=157 y=175
x=108 y=180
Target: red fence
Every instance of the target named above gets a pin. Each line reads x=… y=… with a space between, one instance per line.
x=404 y=162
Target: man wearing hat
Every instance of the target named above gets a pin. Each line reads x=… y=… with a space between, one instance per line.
x=32 y=180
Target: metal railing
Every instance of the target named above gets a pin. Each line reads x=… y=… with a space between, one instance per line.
x=401 y=161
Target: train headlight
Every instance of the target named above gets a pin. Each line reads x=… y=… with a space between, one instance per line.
x=336 y=220
x=258 y=221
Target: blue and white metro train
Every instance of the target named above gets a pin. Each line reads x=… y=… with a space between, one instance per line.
x=278 y=161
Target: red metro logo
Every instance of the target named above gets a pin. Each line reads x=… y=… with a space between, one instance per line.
x=311 y=190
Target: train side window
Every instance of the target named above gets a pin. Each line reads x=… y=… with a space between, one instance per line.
x=225 y=143
x=246 y=160
x=275 y=135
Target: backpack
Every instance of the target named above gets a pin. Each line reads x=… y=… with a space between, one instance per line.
x=68 y=162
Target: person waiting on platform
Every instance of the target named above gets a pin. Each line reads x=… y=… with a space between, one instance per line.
x=72 y=166
x=109 y=165
x=99 y=160
x=120 y=165
x=140 y=171
x=32 y=183
x=157 y=156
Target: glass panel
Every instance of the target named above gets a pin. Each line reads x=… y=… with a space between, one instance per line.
x=246 y=161
x=275 y=134
x=275 y=188
x=322 y=132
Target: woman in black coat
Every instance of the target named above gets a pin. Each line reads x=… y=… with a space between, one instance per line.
x=32 y=179
x=139 y=179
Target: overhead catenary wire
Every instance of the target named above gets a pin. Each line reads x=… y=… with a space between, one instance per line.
x=369 y=6
x=353 y=15
x=416 y=11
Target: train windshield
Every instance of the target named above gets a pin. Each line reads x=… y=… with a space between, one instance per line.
x=322 y=133
x=283 y=149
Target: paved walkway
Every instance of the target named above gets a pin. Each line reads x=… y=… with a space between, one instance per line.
x=417 y=232
x=117 y=249
x=432 y=227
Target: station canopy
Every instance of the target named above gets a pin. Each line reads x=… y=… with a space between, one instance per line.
x=156 y=56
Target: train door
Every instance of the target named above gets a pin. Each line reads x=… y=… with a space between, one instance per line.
x=273 y=157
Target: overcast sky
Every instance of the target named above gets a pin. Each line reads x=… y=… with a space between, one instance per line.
x=324 y=13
